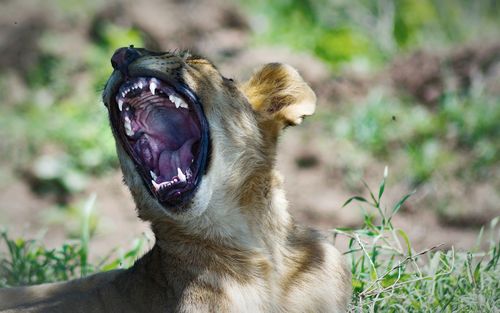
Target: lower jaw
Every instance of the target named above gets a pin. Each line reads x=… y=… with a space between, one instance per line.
x=166 y=198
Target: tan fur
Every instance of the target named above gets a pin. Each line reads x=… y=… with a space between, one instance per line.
x=234 y=247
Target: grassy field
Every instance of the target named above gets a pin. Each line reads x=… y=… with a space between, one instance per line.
x=388 y=274
x=411 y=83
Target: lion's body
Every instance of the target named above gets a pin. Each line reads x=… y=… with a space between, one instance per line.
x=234 y=247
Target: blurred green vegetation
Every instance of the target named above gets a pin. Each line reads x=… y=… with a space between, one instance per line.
x=461 y=132
x=61 y=126
x=60 y=129
x=458 y=134
x=339 y=31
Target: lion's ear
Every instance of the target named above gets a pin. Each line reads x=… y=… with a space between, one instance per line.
x=278 y=93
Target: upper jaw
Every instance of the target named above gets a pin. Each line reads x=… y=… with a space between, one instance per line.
x=173 y=193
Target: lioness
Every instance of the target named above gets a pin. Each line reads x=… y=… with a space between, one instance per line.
x=198 y=154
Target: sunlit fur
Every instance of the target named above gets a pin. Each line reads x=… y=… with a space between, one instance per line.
x=233 y=247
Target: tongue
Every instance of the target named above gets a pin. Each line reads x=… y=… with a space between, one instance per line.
x=169 y=161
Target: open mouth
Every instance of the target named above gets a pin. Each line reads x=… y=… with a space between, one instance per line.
x=165 y=132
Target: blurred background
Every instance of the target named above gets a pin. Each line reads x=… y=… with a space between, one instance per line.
x=413 y=85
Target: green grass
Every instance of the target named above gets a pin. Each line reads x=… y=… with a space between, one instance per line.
x=29 y=262
x=388 y=274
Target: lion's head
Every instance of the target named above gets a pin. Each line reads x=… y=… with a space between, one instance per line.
x=188 y=138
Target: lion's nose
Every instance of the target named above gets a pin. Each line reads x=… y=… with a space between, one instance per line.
x=122 y=58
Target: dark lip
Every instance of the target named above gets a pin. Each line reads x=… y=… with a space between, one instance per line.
x=168 y=199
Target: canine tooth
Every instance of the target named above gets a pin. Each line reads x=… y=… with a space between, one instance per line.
x=159 y=186
x=181 y=175
x=141 y=85
x=128 y=127
x=184 y=105
x=156 y=185
x=152 y=87
x=120 y=104
x=153 y=175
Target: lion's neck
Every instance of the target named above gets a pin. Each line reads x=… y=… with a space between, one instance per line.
x=256 y=224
